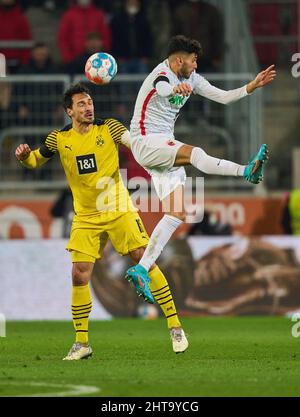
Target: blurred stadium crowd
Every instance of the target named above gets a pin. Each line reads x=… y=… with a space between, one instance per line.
x=134 y=31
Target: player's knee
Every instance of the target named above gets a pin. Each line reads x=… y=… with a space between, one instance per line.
x=80 y=274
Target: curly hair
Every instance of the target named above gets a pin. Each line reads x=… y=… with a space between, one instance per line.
x=181 y=43
x=71 y=91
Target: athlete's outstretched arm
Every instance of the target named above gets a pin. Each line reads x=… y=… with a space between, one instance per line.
x=205 y=89
x=30 y=159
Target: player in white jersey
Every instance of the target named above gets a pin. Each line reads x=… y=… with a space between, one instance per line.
x=162 y=95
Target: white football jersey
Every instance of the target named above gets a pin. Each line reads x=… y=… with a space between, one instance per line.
x=157 y=114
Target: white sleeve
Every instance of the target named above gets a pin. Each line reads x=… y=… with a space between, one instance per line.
x=164 y=89
x=205 y=89
x=125 y=139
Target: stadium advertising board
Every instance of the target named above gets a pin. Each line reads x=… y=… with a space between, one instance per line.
x=208 y=276
x=248 y=216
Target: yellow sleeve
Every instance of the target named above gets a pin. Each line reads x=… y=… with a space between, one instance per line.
x=34 y=160
x=41 y=155
x=116 y=129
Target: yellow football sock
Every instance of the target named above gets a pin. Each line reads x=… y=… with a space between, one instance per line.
x=161 y=292
x=81 y=308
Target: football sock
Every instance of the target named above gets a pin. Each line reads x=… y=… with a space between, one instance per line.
x=158 y=240
x=161 y=292
x=81 y=308
x=211 y=165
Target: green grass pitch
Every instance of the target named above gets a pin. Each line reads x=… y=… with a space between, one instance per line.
x=251 y=356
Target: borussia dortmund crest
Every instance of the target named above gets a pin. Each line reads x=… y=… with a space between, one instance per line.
x=99 y=141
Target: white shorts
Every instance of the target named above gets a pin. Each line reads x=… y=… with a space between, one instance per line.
x=157 y=154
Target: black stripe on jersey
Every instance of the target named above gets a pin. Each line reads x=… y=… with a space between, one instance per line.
x=113 y=123
x=116 y=126
x=116 y=129
x=110 y=121
x=160 y=78
x=116 y=135
x=46 y=152
x=51 y=142
x=53 y=133
x=52 y=139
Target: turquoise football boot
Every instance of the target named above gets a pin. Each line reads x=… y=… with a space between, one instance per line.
x=254 y=170
x=139 y=277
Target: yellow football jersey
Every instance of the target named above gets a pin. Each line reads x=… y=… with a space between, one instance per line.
x=91 y=165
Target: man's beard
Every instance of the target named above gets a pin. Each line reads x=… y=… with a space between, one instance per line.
x=185 y=74
x=87 y=122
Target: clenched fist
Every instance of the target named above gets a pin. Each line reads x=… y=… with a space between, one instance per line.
x=184 y=89
x=22 y=152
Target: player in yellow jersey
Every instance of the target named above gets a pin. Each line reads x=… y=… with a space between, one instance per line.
x=88 y=150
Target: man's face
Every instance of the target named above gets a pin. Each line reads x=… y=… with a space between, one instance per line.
x=188 y=64
x=40 y=54
x=93 y=45
x=82 y=110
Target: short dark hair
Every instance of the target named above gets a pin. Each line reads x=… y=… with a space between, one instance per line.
x=39 y=45
x=93 y=35
x=181 y=43
x=71 y=91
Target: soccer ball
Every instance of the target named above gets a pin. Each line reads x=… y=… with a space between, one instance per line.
x=101 y=68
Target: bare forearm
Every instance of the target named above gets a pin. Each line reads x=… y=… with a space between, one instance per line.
x=251 y=87
x=263 y=78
